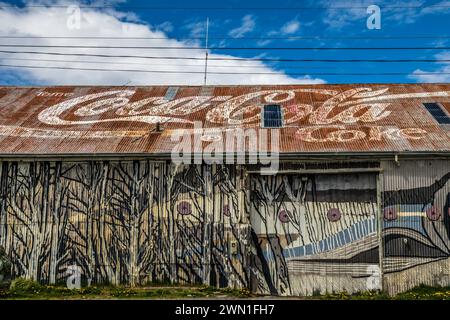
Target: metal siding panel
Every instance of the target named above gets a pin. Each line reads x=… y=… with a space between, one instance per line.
x=21 y=107
x=416 y=248
x=120 y=222
x=322 y=254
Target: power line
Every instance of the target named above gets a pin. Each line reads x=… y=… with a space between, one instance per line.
x=206 y=52
x=124 y=7
x=220 y=48
x=222 y=73
x=225 y=37
x=158 y=64
x=225 y=59
x=112 y=56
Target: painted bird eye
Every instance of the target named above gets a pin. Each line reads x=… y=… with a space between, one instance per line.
x=283 y=215
x=390 y=213
x=433 y=213
x=226 y=210
x=184 y=208
x=334 y=214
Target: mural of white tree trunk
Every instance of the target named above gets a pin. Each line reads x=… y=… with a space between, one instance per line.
x=124 y=221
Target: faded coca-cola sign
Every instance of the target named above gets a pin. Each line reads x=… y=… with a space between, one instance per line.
x=334 y=115
x=225 y=110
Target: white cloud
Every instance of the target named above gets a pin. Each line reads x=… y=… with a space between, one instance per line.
x=290 y=27
x=445 y=55
x=248 y=25
x=410 y=15
x=396 y=11
x=437 y=8
x=433 y=78
x=339 y=18
x=166 y=26
x=264 y=42
x=444 y=67
x=196 y=29
x=45 y=21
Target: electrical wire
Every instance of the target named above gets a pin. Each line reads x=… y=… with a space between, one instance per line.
x=221 y=48
x=156 y=64
x=124 y=7
x=225 y=37
x=222 y=73
x=224 y=59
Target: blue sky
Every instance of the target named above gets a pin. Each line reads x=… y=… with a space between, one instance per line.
x=227 y=28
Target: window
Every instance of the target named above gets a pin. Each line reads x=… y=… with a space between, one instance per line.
x=272 y=117
x=437 y=112
x=171 y=93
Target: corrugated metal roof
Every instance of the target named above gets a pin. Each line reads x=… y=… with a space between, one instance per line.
x=317 y=118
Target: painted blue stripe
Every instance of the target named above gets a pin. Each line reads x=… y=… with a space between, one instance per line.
x=327 y=244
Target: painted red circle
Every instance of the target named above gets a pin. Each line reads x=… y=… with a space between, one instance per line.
x=433 y=213
x=184 y=208
x=283 y=215
x=226 y=210
x=390 y=213
x=334 y=214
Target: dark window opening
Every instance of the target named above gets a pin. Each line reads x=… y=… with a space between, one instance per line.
x=437 y=112
x=272 y=116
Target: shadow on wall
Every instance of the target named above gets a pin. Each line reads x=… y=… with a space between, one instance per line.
x=5 y=268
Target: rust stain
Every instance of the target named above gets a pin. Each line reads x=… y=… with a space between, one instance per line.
x=317 y=118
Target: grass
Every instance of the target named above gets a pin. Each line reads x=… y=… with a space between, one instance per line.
x=421 y=292
x=26 y=289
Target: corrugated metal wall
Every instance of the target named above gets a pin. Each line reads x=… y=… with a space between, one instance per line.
x=416 y=228
x=137 y=221
x=126 y=222
x=317 y=232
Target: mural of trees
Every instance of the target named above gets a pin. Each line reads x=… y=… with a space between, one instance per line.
x=35 y=223
x=133 y=222
x=123 y=222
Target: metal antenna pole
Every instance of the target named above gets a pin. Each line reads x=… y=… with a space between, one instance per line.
x=206 y=50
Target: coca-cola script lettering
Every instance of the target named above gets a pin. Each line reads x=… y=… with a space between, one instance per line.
x=362 y=106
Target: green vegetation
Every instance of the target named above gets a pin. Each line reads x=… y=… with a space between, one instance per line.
x=5 y=265
x=26 y=289
x=421 y=292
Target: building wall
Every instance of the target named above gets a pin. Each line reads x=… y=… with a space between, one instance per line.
x=416 y=226
x=124 y=222
x=133 y=222
x=317 y=233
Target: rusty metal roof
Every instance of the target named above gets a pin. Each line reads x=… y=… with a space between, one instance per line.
x=350 y=118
